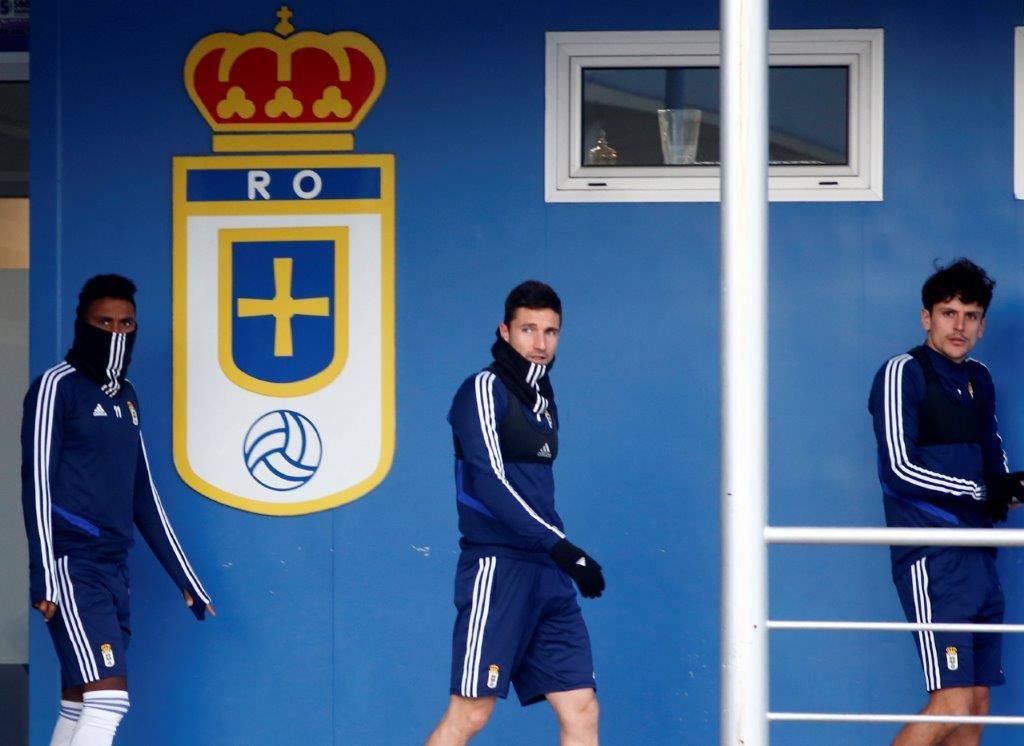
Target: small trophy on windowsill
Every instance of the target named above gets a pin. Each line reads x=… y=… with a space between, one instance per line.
x=602 y=154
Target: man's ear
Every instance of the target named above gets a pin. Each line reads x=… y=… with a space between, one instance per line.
x=926 y=319
x=503 y=330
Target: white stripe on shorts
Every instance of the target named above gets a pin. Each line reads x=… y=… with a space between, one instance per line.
x=477 y=621
x=74 y=626
x=926 y=639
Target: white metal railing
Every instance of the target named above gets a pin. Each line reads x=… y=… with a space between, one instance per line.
x=964 y=537
x=897 y=626
x=925 y=537
x=836 y=717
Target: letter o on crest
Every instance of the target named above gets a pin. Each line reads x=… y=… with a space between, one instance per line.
x=307 y=175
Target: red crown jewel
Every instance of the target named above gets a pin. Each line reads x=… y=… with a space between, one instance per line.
x=284 y=82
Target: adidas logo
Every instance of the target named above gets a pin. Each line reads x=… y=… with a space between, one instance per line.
x=99 y=411
x=582 y=562
x=545 y=451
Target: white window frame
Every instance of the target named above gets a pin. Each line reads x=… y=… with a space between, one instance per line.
x=1018 y=112
x=567 y=179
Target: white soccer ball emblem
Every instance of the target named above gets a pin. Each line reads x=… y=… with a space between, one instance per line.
x=282 y=450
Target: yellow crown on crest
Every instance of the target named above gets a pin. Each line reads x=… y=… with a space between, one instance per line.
x=284 y=90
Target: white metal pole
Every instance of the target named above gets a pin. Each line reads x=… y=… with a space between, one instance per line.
x=744 y=152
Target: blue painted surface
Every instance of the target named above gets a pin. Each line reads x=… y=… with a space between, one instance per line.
x=334 y=627
x=253 y=337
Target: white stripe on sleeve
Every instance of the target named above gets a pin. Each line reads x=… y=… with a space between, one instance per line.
x=179 y=553
x=41 y=443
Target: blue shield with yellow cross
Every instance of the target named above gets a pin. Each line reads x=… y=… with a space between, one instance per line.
x=283 y=299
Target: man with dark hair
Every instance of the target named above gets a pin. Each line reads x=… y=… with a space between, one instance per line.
x=518 y=619
x=941 y=464
x=85 y=479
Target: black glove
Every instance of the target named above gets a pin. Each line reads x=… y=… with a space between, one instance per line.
x=997 y=511
x=579 y=566
x=1002 y=490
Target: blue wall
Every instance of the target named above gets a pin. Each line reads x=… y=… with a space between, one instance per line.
x=335 y=627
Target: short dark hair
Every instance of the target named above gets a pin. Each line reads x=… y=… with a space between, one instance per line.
x=962 y=279
x=532 y=294
x=104 y=286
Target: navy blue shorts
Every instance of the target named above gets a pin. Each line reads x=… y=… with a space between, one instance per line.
x=518 y=623
x=959 y=584
x=91 y=629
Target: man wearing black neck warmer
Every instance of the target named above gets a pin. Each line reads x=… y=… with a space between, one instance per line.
x=85 y=482
x=518 y=619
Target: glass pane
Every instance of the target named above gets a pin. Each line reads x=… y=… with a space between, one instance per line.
x=14 y=139
x=669 y=116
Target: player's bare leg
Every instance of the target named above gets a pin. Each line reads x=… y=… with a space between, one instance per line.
x=111 y=682
x=957 y=700
x=577 y=712
x=464 y=718
x=970 y=735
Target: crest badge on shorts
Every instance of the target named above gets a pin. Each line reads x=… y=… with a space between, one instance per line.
x=284 y=275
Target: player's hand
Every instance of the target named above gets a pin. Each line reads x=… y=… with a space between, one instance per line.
x=1006 y=488
x=1001 y=491
x=46 y=608
x=579 y=566
x=997 y=510
x=196 y=609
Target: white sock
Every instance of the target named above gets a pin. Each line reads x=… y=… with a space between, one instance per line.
x=101 y=714
x=65 y=727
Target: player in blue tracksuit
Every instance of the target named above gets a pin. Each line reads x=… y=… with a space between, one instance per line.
x=85 y=482
x=518 y=619
x=941 y=464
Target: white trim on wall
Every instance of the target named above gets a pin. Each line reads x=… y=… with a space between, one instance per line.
x=566 y=179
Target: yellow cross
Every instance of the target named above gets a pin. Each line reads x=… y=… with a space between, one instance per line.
x=282 y=307
x=283 y=26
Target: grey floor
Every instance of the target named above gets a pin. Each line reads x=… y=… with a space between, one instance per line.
x=14 y=705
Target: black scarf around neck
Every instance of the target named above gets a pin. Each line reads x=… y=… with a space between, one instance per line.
x=528 y=381
x=101 y=356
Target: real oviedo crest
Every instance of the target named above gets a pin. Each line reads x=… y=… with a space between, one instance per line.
x=284 y=275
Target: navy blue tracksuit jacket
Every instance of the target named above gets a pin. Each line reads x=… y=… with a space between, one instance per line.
x=938 y=485
x=86 y=480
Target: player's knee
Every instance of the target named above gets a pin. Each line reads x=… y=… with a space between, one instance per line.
x=102 y=712
x=582 y=716
x=953 y=701
x=471 y=715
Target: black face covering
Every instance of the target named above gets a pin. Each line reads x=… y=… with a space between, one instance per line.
x=101 y=355
x=528 y=381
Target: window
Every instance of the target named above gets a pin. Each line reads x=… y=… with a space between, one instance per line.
x=634 y=116
x=13 y=124
x=1018 y=113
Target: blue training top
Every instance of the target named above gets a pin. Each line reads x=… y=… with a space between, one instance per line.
x=506 y=507
x=936 y=484
x=85 y=479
